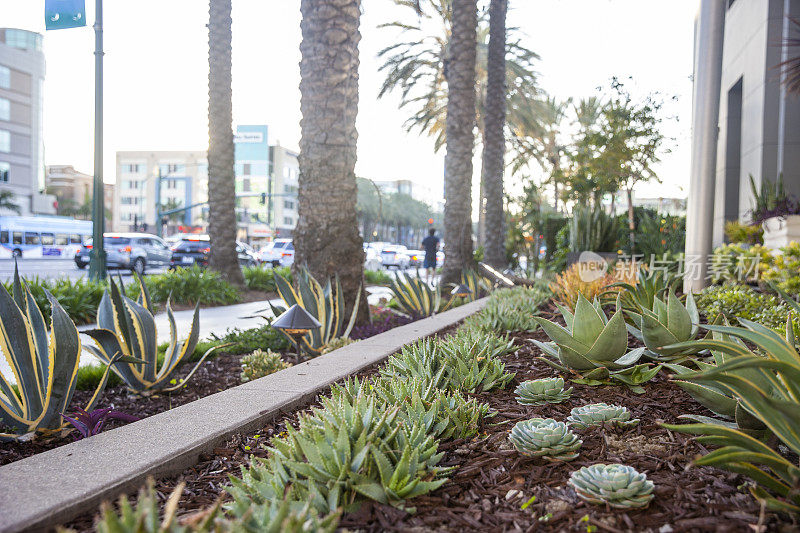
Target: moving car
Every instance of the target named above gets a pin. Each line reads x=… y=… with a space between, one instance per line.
x=287 y=254
x=395 y=255
x=416 y=257
x=271 y=253
x=196 y=250
x=133 y=251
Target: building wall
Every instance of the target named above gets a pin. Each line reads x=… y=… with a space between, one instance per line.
x=66 y=183
x=285 y=174
x=755 y=137
x=22 y=71
x=251 y=144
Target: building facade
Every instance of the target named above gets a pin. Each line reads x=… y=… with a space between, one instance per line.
x=285 y=172
x=22 y=70
x=744 y=122
x=73 y=191
x=251 y=144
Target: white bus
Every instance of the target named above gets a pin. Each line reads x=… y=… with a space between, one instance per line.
x=42 y=236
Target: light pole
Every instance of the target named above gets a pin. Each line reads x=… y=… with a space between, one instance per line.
x=97 y=262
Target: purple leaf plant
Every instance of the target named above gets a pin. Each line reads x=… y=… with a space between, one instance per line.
x=91 y=423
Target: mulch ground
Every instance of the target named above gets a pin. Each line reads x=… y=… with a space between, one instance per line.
x=492 y=482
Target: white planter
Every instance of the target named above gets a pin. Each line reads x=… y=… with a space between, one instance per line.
x=780 y=231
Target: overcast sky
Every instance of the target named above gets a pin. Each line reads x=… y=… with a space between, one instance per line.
x=156 y=69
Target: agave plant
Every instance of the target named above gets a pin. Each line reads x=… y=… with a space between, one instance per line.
x=642 y=294
x=326 y=304
x=416 y=298
x=776 y=405
x=598 y=414
x=616 y=485
x=128 y=327
x=546 y=438
x=542 y=391
x=478 y=285
x=44 y=362
x=594 y=346
x=667 y=323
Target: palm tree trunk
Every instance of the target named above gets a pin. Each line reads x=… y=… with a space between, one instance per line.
x=221 y=184
x=494 y=136
x=460 y=75
x=326 y=238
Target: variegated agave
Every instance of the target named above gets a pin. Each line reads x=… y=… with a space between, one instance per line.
x=127 y=327
x=546 y=438
x=416 y=298
x=667 y=323
x=326 y=304
x=594 y=346
x=542 y=391
x=597 y=414
x=619 y=486
x=44 y=361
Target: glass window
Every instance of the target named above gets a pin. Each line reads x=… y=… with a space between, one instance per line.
x=5 y=141
x=5 y=109
x=31 y=238
x=17 y=236
x=4 y=237
x=246 y=169
x=4 y=171
x=47 y=239
x=5 y=77
x=117 y=241
x=62 y=239
x=75 y=239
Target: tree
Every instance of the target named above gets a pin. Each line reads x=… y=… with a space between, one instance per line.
x=8 y=201
x=460 y=75
x=221 y=184
x=494 y=135
x=169 y=205
x=326 y=238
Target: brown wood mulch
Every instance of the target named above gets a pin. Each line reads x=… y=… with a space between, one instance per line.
x=492 y=482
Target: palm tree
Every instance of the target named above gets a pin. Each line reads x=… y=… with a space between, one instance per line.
x=494 y=135
x=326 y=238
x=460 y=74
x=221 y=184
x=8 y=202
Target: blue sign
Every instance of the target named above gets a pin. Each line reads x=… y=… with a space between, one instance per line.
x=62 y=14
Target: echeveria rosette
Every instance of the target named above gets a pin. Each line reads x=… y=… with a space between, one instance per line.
x=597 y=414
x=542 y=391
x=594 y=346
x=619 y=486
x=546 y=438
x=667 y=323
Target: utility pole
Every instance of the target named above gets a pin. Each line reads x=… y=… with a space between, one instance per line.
x=97 y=263
x=159 y=226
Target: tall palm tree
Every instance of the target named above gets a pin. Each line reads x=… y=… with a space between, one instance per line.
x=460 y=75
x=326 y=238
x=494 y=141
x=8 y=202
x=221 y=184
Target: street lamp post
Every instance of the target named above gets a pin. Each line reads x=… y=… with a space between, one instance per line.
x=97 y=263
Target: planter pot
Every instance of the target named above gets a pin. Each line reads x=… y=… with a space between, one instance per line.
x=780 y=231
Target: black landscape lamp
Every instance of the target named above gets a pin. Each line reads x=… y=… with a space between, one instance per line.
x=296 y=322
x=461 y=291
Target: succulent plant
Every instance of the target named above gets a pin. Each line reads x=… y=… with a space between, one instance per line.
x=261 y=363
x=619 y=486
x=542 y=391
x=546 y=438
x=666 y=323
x=596 y=414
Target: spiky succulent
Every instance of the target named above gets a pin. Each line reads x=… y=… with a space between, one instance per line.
x=542 y=391
x=546 y=438
x=597 y=414
x=619 y=486
x=667 y=323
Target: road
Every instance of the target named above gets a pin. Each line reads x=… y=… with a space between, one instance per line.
x=52 y=268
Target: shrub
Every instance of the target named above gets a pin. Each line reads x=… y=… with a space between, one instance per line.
x=573 y=282
x=737 y=232
x=249 y=340
x=261 y=363
x=79 y=298
x=188 y=286
x=377 y=277
x=89 y=376
x=335 y=344
x=739 y=263
x=593 y=230
x=784 y=269
x=509 y=310
x=260 y=278
x=741 y=301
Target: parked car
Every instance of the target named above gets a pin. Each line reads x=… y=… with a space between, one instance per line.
x=416 y=258
x=252 y=255
x=372 y=257
x=196 y=250
x=271 y=253
x=395 y=255
x=133 y=251
x=287 y=255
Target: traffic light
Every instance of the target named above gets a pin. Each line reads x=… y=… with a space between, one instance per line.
x=263 y=198
x=430 y=221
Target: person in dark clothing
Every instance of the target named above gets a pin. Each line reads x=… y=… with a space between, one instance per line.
x=431 y=245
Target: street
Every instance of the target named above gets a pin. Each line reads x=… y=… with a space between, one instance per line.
x=53 y=268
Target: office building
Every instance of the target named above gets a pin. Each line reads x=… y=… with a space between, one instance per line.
x=285 y=171
x=73 y=191
x=252 y=150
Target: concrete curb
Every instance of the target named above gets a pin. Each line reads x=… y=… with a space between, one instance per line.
x=55 y=486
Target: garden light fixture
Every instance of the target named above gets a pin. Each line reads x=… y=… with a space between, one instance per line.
x=295 y=322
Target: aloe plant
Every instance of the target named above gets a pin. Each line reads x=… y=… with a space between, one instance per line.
x=44 y=362
x=542 y=391
x=546 y=438
x=618 y=486
x=127 y=327
x=667 y=323
x=416 y=298
x=594 y=346
x=325 y=303
x=598 y=414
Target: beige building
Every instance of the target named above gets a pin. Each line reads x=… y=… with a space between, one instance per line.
x=284 y=174
x=73 y=190
x=176 y=178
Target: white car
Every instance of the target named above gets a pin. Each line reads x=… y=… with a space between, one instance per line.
x=287 y=254
x=395 y=255
x=372 y=257
x=273 y=251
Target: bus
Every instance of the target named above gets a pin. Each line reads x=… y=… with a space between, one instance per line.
x=42 y=237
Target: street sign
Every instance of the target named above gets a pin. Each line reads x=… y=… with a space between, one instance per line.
x=62 y=14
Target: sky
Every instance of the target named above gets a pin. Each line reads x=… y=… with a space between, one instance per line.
x=156 y=72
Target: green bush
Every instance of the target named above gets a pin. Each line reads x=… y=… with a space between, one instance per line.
x=261 y=363
x=510 y=310
x=741 y=301
x=260 y=278
x=377 y=277
x=784 y=269
x=79 y=298
x=188 y=286
x=89 y=377
x=250 y=340
x=737 y=232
